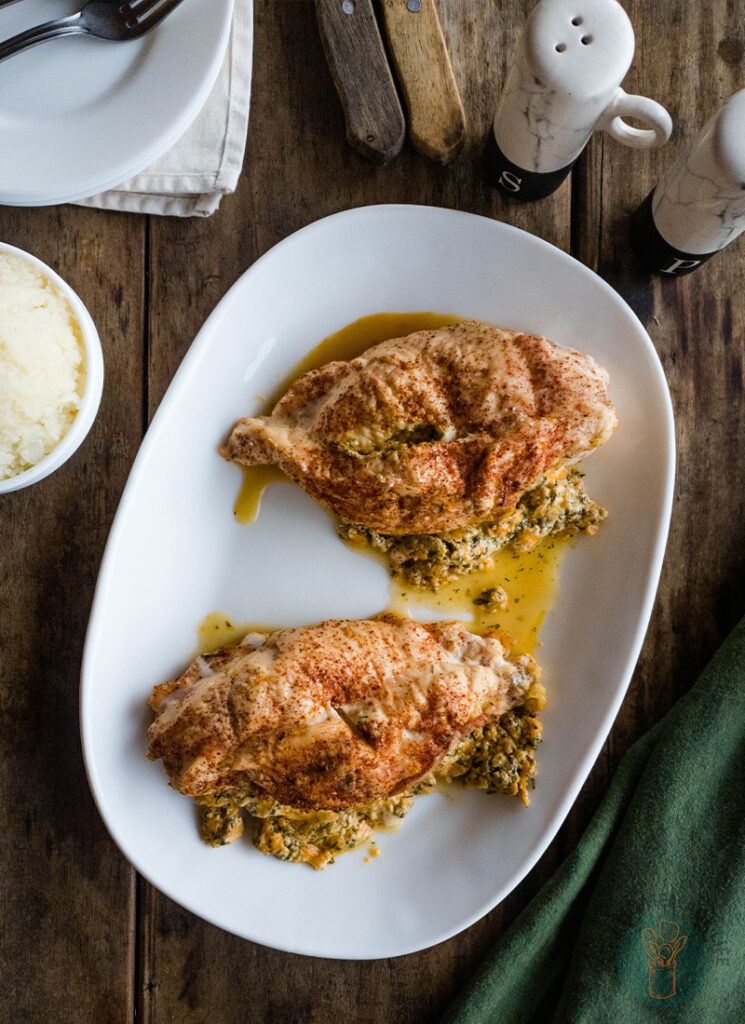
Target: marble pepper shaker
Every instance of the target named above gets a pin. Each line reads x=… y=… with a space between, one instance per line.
x=698 y=207
x=564 y=85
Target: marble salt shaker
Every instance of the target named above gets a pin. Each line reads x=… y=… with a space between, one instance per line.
x=698 y=207
x=564 y=85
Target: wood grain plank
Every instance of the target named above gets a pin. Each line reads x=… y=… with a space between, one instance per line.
x=67 y=895
x=299 y=168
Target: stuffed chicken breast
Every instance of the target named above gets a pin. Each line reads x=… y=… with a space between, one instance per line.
x=337 y=726
x=434 y=431
x=441 y=447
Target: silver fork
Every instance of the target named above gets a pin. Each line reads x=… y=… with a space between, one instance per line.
x=105 y=19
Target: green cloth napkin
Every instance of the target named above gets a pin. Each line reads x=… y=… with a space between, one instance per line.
x=663 y=858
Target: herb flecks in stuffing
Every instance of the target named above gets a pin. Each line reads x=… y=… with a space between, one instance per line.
x=558 y=505
x=305 y=837
x=499 y=757
x=220 y=824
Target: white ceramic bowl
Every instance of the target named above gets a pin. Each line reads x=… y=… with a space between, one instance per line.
x=93 y=384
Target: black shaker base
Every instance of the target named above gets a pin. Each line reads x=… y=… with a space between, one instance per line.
x=654 y=252
x=516 y=182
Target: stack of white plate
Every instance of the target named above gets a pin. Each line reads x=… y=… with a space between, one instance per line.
x=81 y=115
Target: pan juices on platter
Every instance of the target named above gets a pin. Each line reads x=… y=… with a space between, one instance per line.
x=451 y=453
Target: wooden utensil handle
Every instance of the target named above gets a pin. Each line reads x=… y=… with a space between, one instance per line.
x=437 y=122
x=359 y=66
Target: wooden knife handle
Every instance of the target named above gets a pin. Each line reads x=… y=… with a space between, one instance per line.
x=356 y=57
x=437 y=121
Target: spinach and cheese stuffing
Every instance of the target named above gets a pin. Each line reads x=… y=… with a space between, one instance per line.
x=557 y=506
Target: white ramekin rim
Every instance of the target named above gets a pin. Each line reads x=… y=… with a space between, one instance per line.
x=93 y=383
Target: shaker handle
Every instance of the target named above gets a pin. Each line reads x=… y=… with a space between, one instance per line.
x=646 y=110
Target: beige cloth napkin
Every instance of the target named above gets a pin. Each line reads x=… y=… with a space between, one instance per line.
x=205 y=164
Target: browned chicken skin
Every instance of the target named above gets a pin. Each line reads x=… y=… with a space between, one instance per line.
x=334 y=715
x=434 y=431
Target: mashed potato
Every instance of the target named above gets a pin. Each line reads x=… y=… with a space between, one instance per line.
x=42 y=365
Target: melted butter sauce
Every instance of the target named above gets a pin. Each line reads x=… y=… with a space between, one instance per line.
x=255 y=481
x=530 y=579
x=348 y=343
x=218 y=630
x=354 y=339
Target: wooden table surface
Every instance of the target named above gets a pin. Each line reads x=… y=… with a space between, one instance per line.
x=82 y=938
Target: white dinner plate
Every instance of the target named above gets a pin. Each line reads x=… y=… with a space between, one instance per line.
x=81 y=115
x=176 y=553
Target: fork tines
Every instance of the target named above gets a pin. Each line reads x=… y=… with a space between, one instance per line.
x=147 y=12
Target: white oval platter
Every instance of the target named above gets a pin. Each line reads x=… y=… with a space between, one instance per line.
x=176 y=553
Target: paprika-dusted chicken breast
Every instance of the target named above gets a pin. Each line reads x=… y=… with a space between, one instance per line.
x=434 y=431
x=334 y=724
x=332 y=715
